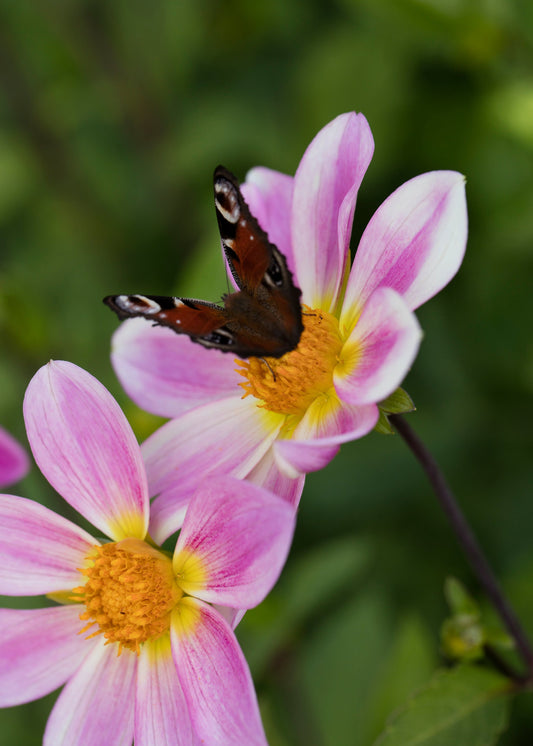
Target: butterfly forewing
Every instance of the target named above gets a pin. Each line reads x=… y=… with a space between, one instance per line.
x=246 y=245
x=262 y=319
x=196 y=318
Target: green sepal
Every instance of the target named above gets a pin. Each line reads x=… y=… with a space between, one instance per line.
x=399 y=402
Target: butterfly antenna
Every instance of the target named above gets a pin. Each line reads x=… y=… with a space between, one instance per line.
x=268 y=366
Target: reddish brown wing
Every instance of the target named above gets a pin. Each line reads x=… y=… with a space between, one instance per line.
x=268 y=295
x=262 y=319
x=203 y=322
x=246 y=245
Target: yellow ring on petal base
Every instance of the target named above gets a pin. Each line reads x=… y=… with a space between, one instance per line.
x=159 y=649
x=289 y=385
x=127 y=525
x=186 y=616
x=190 y=571
x=129 y=593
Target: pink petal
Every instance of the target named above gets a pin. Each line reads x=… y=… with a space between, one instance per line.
x=267 y=474
x=325 y=192
x=240 y=536
x=14 y=462
x=414 y=243
x=215 y=677
x=40 y=552
x=327 y=423
x=299 y=457
x=227 y=437
x=380 y=350
x=86 y=449
x=97 y=704
x=161 y=712
x=167 y=374
x=269 y=197
x=232 y=616
x=40 y=649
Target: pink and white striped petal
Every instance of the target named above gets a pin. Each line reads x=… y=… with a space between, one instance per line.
x=234 y=543
x=215 y=677
x=167 y=374
x=86 y=449
x=327 y=424
x=226 y=437
x=97 y=704
x=269 y=196
x=267 y=474
x=414 y=243
x=40 y=552
x=14 y=462
x=40 y=649
x=161 y=712
x=380 y=350
x=325 y=191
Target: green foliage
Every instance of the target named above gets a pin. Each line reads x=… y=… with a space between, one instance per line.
x=466 y=706
x=112 y=119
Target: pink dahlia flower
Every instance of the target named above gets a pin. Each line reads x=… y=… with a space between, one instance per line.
x=13 y=459
x=360 y=335
x=141 y=637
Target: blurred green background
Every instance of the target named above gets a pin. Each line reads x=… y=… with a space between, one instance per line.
x=112 y=118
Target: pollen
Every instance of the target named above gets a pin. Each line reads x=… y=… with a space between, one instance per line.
x=288 y=385
x=129 y=593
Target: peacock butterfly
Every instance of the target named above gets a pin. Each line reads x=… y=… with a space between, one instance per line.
x=262 y=319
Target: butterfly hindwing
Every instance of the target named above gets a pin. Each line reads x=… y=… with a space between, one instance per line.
x=262 y=319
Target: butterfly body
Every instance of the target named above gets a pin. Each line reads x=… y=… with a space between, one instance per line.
x=262 y=319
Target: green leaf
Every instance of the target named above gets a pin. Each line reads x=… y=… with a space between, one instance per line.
x=465 y=706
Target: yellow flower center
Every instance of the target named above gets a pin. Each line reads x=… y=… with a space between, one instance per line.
x=289 y=384
x=129 y=593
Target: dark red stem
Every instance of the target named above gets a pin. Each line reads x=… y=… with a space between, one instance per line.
x=476 y=558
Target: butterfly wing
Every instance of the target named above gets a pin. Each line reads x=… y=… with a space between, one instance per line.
x=259 y=269
x=262 y=319
x=246 y=246
x=203 y=322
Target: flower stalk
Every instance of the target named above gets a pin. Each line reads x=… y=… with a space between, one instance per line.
x=469 y=544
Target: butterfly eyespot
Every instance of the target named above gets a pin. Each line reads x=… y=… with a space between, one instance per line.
x=220 y=338
x=274 y=273
x=227 y=201
x=137 y=303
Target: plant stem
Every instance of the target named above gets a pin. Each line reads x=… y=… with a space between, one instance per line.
x=468 y=542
